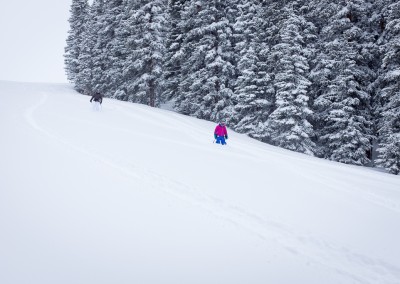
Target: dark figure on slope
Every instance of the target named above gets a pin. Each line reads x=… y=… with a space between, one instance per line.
x=98 y=100
x=220 y=133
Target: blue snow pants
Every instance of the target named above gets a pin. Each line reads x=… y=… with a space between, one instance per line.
x=220 y=140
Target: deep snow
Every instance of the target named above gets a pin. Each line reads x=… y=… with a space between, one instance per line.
x=133 y=194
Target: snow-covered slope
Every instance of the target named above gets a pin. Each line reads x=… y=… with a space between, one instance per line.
x=133 y=194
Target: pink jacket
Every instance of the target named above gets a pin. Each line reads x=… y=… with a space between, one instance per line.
x=220 y=130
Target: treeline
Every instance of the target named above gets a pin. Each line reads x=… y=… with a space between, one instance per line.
x=320 y=77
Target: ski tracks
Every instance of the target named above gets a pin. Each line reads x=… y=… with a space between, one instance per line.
x=29 y=113
x=303 y=246
x=307 y=248
x=297 y=244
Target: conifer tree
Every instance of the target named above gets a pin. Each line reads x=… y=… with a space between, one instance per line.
x=95 y=47
x=342 y=108
x=79 y=15
x=254 y=92
x=208 y=70
x=121 y=49
x=106 y=75
x=84 y=79
x=173 y=49
x=142 y=68
x=389 y=123
x=289 y=124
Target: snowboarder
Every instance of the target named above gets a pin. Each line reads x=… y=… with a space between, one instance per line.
x=98 y=100
x=220 y=133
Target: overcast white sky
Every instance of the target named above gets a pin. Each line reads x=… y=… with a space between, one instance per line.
x=33 y=34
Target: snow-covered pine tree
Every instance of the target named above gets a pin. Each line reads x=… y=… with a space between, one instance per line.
x=173 y=54
x=373 y=49
x=288 y=124
x=208 y=70
x=321 y=66
x=389 y=123
x=84 y=79
x=121 y=48
x=93 y=49
x=367 y=20
x=342 y=107
x=106 y=73
x=272 y=14
x=253 y=95
x=116 y=49
x=145 y=40
x=78 y=17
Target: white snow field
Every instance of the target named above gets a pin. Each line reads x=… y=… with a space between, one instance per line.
x=133 y=194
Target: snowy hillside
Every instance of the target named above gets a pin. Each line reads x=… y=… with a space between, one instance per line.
x=134 y=194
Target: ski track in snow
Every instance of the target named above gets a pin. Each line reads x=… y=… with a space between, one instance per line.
x=297 y=244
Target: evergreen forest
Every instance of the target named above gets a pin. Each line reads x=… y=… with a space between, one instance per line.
x=320 y=77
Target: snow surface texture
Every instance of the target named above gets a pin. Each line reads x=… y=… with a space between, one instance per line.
x=133 y=194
